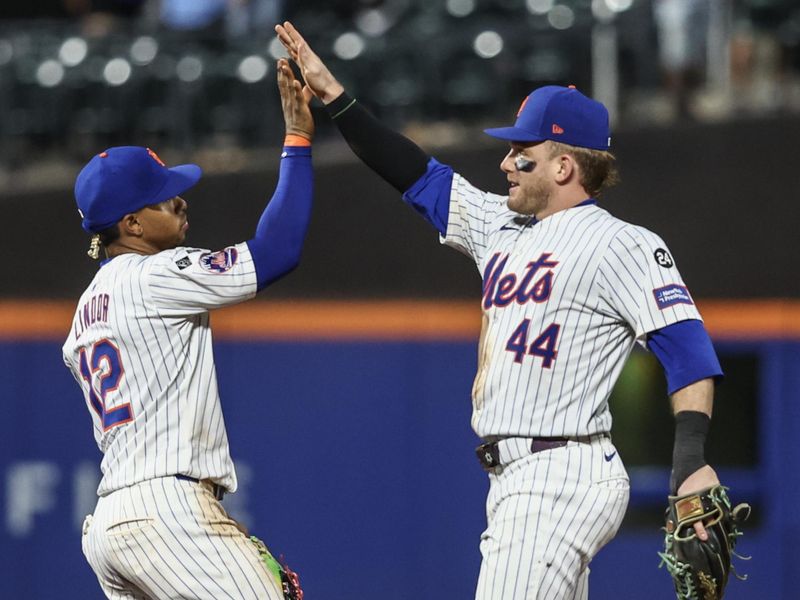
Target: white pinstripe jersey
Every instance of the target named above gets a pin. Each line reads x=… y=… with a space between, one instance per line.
x=140 y=348
x=564 y=301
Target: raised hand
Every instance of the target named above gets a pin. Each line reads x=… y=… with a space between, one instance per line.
x=319 y=80
x=294 y=102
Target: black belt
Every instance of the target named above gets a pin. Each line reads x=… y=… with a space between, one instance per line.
x=216 y=489
x=489 y=453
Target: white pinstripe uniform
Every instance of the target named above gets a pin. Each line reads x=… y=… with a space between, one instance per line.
x=140 y=348
x=564 y=301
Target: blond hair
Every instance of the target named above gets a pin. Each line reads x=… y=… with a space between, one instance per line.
x=597 y=169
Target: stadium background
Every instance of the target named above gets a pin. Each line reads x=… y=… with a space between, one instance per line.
x=346 y=385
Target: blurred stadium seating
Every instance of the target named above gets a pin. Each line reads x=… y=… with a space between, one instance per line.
x=66 y=88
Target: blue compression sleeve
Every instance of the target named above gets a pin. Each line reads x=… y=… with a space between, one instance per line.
x=685 y=352
x=282 y=228
x=430 y=194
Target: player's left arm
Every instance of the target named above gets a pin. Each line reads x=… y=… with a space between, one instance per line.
x=641 y=283
x=182 y=283
x=692 y=407
x=690 y=364
x=281 y=230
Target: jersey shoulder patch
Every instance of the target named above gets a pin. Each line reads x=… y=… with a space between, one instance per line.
x=183 y=262
x=663 y=258
x=672 y=294
x=219 y=261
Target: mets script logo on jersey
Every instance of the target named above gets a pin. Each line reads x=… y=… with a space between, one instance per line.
x=534 y=285
x=672 y=294
x=219 y=262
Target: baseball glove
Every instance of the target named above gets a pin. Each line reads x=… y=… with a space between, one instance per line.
x=700 y=569
x=286 y=578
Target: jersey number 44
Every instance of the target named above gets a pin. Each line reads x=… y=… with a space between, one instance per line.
x=543 y=346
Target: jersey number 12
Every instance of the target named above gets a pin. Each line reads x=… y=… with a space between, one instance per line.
x=105 y=358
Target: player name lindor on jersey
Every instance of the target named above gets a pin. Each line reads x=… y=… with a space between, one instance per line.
x=93 y=311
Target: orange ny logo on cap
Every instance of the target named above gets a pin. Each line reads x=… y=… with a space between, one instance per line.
x=521 y=106
x=557 y=129
x=155 y=157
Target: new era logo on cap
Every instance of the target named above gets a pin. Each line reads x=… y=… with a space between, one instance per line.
x=561 y=114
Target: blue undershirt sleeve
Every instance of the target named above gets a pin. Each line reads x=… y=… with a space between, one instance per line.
x=430 y=194
x=685 y=352
x=282 y=227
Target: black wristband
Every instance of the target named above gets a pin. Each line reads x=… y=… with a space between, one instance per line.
x=688 y=454
x=391 y=155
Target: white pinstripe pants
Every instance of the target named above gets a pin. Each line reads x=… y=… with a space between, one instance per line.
x=548 y=515
x=169 y=538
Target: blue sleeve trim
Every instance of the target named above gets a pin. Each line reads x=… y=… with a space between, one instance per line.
x=430 y=194
x=685 y=352
x=282 y=227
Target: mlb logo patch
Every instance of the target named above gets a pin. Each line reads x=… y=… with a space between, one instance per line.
x=670 y=295
x=219 y=262
x=184 y=262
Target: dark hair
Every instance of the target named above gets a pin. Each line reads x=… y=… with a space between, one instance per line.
x=598 y=169
x=110 y=235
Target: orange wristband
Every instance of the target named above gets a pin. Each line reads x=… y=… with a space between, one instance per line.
x=293 y=139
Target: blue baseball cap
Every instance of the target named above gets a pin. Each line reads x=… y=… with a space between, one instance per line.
x=124 y=179
x=560 y=114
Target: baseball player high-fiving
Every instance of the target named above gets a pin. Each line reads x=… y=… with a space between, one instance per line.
x=140 y=349
x=568 y=290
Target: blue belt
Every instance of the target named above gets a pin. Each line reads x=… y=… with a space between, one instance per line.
x=216 y=489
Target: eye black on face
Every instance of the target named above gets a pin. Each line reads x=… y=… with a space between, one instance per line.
x=523 y=164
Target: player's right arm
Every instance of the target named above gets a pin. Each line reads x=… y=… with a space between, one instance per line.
x=391 y=155
x=459 y=211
